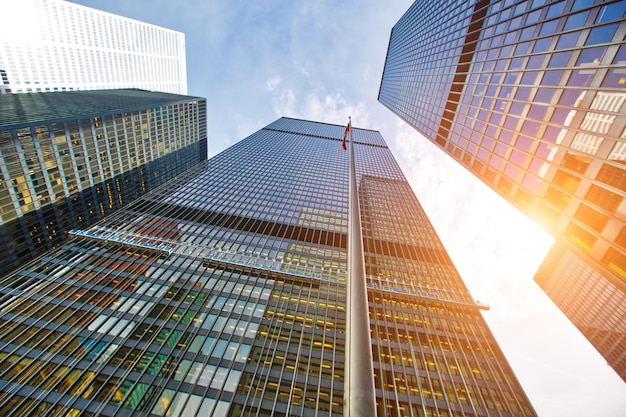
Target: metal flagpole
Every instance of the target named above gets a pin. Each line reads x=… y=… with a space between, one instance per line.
x=359 y=392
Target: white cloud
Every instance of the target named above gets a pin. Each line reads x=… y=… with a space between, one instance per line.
x=273 y=83
x=366 y=72
x=284 y=103
x=334 y=108
x=328 y=108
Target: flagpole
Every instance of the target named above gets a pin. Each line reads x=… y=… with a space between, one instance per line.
x=359 y=392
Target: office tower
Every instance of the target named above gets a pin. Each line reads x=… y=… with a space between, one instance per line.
x=222 y=293
x=56 y=45
x=595 y=306
x=67 y=159
x=528 y=96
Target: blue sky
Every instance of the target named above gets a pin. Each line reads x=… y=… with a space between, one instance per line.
x=322 y=60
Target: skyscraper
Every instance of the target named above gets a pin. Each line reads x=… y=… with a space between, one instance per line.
x=528 y=96
x=68 y=46
x=595 y=306
x=67 y=159
x=223 y=293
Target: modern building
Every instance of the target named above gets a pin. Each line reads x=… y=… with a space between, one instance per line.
x=595 y=306
x=222 y=293
x=529 y=97
x=67 y=46
x=67 y=159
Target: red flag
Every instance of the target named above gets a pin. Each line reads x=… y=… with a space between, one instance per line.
x=345 y=135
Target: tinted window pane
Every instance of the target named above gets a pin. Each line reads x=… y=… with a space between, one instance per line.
x=603 y=34
x=591 y=56
x=576 y=21
x=559 y=59
x=551 y=77
x=567 y=41
x=555 y=10
x=615 y=78
x=581 y=4
x=581 y=78
x=613 y=11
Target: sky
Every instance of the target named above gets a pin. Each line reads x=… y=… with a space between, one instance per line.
x=256 y=61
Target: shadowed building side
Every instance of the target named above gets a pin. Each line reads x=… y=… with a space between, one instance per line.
x=69 y=159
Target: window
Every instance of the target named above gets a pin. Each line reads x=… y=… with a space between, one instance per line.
x=576 y=21
x=613 y=11
x=612 y=176
x=602 y=34
x=558 y=198
x=580 y=237
x=615 y=260
x=604 y=198
x=559 y=59
x=566 y=180
x=576 y=162
x=567 y=41
x=592 y=218
x=591 y=56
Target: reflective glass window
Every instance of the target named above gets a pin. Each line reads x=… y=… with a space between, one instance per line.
x=523 y=142
x=602 y=34
x=511 y=171
x=620 y=57
x=544 y=95
x=566 y=180
x=511 y=122
x=581 y=78
x=567 y=41
x=581 y=4
x=522 y=48
x=526 y=34
x=522 y=93
x=592 y=218
x=559 y=115
x=548 y=28
x=517 y=108
x=495 y=162
x=576 y=21
x=571 y=97
x=543 y=150
x=529 y=78
x=542 y=45
x=535 y=62
x=517 y=157
x=531 y=182
x=604 y=198
x=537 y=112
x=533 y=17
x=615 y=78
x=559 y=59
x=555 y=10
x=610 y=12
x=551 y=77
x=591 y=56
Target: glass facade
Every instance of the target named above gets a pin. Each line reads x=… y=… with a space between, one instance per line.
x=528 y=95
x=72 y=47
x=579 y=291
x=222 y=293
x=68 y=159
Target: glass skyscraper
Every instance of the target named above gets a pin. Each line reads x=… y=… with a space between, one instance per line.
x=222 y=293
x=67 y=159
x=595 y=306
x=530 y=97
x=68 y=46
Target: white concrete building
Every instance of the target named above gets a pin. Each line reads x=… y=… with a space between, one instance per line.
x=56 y=45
